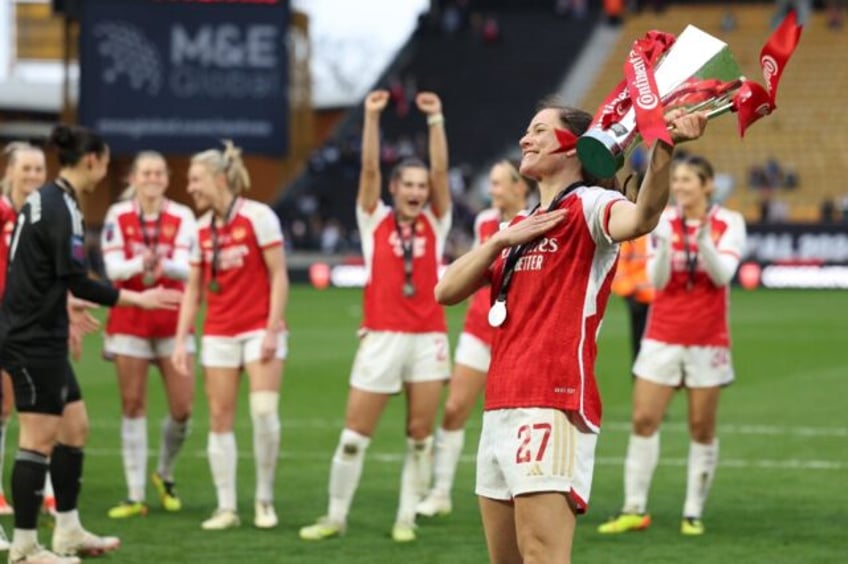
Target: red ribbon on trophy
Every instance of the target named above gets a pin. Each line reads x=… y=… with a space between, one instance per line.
x=639 y=85
x=753 y=101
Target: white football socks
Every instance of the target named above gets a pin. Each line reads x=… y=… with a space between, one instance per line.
x=642 y=456
x=345 y=471
x=446 y=458
x=134 y=454
x=703 y=459
x=223 y=455
x=266 y=441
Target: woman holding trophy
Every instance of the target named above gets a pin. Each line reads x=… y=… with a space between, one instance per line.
x=145 y=243
x=550 y=274
x=695 y=252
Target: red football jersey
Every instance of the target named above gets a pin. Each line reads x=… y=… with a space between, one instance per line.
x=543 y=355
x=486 y=224
x=8 y=215
x=695 y=313
x=124 y=238
x=386 y=307
x=242 y=303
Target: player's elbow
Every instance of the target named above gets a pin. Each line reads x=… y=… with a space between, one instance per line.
x=446 y=295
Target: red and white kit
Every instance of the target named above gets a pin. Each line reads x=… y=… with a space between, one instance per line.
x=687 y=335
x=404 y=337
x=125 y=237
x=237 y=314
x=475 y=341
x=544 y=353
x=8 y=215
x=676 y=306
x=542 y=407
x=244 y=300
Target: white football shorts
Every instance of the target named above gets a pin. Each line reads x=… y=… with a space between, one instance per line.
x=687 y=366
x=138 y=347
x=235 y=352
x=386 y=360
x=531 y=450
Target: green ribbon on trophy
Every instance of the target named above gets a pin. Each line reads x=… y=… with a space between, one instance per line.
x=694 y=71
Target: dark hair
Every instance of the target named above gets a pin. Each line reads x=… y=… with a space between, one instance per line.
x=408 y=162
x=702 y=167
x=75 y=142
x=577 y=122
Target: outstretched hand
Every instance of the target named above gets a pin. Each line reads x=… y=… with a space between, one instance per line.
x=376 y=100
x=429 y=103
x=160 y=298
x=529 y=229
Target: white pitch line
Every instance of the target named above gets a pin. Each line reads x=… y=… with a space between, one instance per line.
x=392 y=458
x=613 y=426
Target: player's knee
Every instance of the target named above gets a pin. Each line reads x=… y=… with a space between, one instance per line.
x=352 y=445
x=645 y=423
x=264 y=404
x=264 y=411
x=702 y=431
x=133 y=407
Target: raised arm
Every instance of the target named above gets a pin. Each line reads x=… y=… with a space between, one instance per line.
x=369 y=176
x=440 y=198
x=629 y=221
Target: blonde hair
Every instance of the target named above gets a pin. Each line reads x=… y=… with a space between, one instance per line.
x=10 y=151
x=227 y=162
x=130 y=191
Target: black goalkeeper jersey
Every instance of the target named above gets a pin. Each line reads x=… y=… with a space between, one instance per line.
x=47 y=259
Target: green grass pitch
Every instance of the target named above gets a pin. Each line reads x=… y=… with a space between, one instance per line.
x=779 y=495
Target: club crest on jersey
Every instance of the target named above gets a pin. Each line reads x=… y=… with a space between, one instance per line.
x=130 y=230
x=168 y=231
x=239 y=233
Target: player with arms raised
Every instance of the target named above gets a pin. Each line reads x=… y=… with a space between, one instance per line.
x=403 y=342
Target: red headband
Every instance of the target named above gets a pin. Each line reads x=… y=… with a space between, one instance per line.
x=567 y=140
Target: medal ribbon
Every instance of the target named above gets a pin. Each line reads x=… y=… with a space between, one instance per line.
x=216 y=246
x=153 y=241
x=691 y=255
x=407 y=247
x=518 y=251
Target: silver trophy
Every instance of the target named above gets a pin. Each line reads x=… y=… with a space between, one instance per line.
x=698 y=73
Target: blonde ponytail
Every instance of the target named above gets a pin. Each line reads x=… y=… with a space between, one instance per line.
x=227 y=162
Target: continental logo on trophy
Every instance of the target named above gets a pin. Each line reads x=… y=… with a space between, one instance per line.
x=694 y=72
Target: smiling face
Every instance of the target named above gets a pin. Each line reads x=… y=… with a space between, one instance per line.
x=149 y=176
x=410 y=189
x=690 y=187
x=202 y=186
x=26 y=171
x=538 y=144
